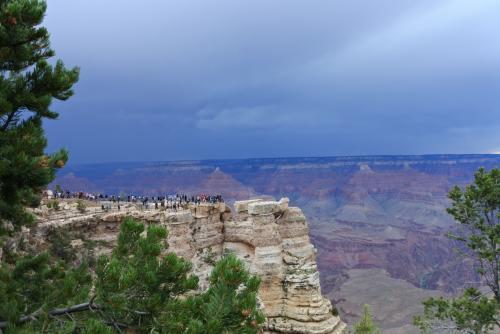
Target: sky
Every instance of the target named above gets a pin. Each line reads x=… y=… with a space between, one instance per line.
x=196 y=79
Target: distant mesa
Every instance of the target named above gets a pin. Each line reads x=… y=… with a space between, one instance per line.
x=76 y=183
x=220 y=183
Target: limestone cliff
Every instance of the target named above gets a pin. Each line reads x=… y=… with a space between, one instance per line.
x=269 y=236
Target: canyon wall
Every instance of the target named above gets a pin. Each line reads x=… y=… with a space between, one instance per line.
x=364 y=213
x=271 y=237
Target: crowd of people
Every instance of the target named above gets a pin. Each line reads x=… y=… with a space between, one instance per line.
x=175 y=202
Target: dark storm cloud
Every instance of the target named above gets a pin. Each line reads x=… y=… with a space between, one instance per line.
x=208 y=79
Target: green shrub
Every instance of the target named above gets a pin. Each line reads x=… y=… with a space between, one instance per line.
x=60 y=245
x=365 y=325
x=81 y=206
x=54 y=204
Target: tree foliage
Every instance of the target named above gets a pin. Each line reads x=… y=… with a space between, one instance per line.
x=139 y=287
x=136 y=286
x=34 y=285
x=230 y=302
x=28 y=84
x=365 y=324
x=471 y=313
x=477 y=210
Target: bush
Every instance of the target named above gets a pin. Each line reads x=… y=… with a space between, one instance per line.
x=60 y=245
x=54 y=204
x=81 y=206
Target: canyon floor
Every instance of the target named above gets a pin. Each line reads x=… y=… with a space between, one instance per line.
x=393 y=301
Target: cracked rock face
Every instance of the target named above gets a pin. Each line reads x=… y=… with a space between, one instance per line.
x=271 y=237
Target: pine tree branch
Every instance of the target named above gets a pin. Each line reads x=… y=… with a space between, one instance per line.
x=55 y=312
x=8 y=120
x=89 y=306
x=75 y=308
x=22 y=42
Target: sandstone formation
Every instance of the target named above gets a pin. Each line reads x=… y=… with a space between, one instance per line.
x=271 y=237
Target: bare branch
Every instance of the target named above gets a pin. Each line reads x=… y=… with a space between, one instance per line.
x=55 y=312
x=89 y=306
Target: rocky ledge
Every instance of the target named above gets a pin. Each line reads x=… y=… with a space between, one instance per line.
x=271 y=237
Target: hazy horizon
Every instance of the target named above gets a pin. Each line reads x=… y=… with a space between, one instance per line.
x=369 y=156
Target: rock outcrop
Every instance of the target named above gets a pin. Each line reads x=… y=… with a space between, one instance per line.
x=271 y=237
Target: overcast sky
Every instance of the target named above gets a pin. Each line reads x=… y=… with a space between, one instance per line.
x=183 y=79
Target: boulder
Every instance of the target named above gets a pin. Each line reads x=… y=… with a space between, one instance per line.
x=242 y=206
x=263 y=208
